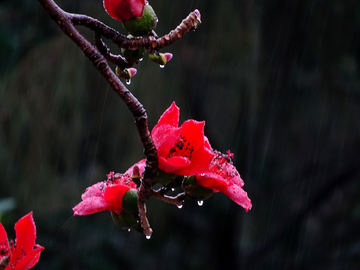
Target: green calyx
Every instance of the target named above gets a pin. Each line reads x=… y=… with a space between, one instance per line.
x=195 y=191
x=134 y=55
x=140 y=26
x=129 y=201
x=158 y=58
x=165 y=178
x=125 y=220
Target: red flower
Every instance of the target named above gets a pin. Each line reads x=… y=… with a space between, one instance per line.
x=181 y=150
x=107 y=195
x=24 y=254
x=124 y=10
x=222 y=176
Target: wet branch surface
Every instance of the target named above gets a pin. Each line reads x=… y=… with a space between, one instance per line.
x=99 y=55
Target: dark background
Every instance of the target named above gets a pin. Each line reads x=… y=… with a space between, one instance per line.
x=277 y=83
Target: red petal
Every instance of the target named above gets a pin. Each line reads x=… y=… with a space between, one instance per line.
x=4 y=244
x=218 y=183
x=114 y=194
x=193 y=131
x=93 y=205
x=173 y=164
x=25 y=236
x=30 y=259
x=170 y=116
x=193 y=134
x=165 y=137
x=96 y=190
x=123 y=10
x=199 y=163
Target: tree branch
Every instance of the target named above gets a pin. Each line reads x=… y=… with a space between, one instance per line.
x=64 y=21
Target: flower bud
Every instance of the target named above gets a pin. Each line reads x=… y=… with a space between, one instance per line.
x=126 y=73
x=135 y=177
x=125 y=220
x=140 y=26
x=160 y=58
x=195 y=191
x=134 y=55
x=129 y=201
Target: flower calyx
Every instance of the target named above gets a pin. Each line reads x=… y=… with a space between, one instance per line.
x=195 y=191
x=143 y=25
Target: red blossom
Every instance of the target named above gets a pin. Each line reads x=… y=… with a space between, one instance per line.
x=222 y=176
x=24 y=254
x=181 y=150
x=107 y=195
x=124 y=10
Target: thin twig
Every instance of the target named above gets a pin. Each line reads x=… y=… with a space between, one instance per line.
x=177 y=200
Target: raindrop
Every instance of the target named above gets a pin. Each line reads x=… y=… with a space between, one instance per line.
x=161 y=66
x=128 y=81
x=141 y=59
x=172 y=189
x=179 y=206
x=200 y=203
x=148 y=236
x=128 y=230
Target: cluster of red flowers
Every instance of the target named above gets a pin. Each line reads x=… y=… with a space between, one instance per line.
x=182 y=150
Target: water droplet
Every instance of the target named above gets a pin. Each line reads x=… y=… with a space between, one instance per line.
x=161 y=66
x=128 y=230
x=200 y=203
x=141 y=59
x=172 y=189
x=128 y=81
x=179 y=206
x=148 y=236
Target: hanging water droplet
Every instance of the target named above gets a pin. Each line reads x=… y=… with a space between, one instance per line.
x=172 y=189
x=161 y=66
x=200 y=203
x=128 y=81
x=179 y=206
x=128 y=230
x=141 y=59
x=148 y=236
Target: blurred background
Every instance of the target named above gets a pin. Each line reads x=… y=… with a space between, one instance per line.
x=277 y=83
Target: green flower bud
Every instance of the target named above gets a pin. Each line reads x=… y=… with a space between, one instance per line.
x=126 y=73
x=134 y=55
x=129 y=201
x=165 y=178
x=125 y=220
x=140 y=26
x=195 y=191
x=160 y=58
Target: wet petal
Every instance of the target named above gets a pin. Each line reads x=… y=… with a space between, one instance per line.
x=114 y=194
x=25 y=236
